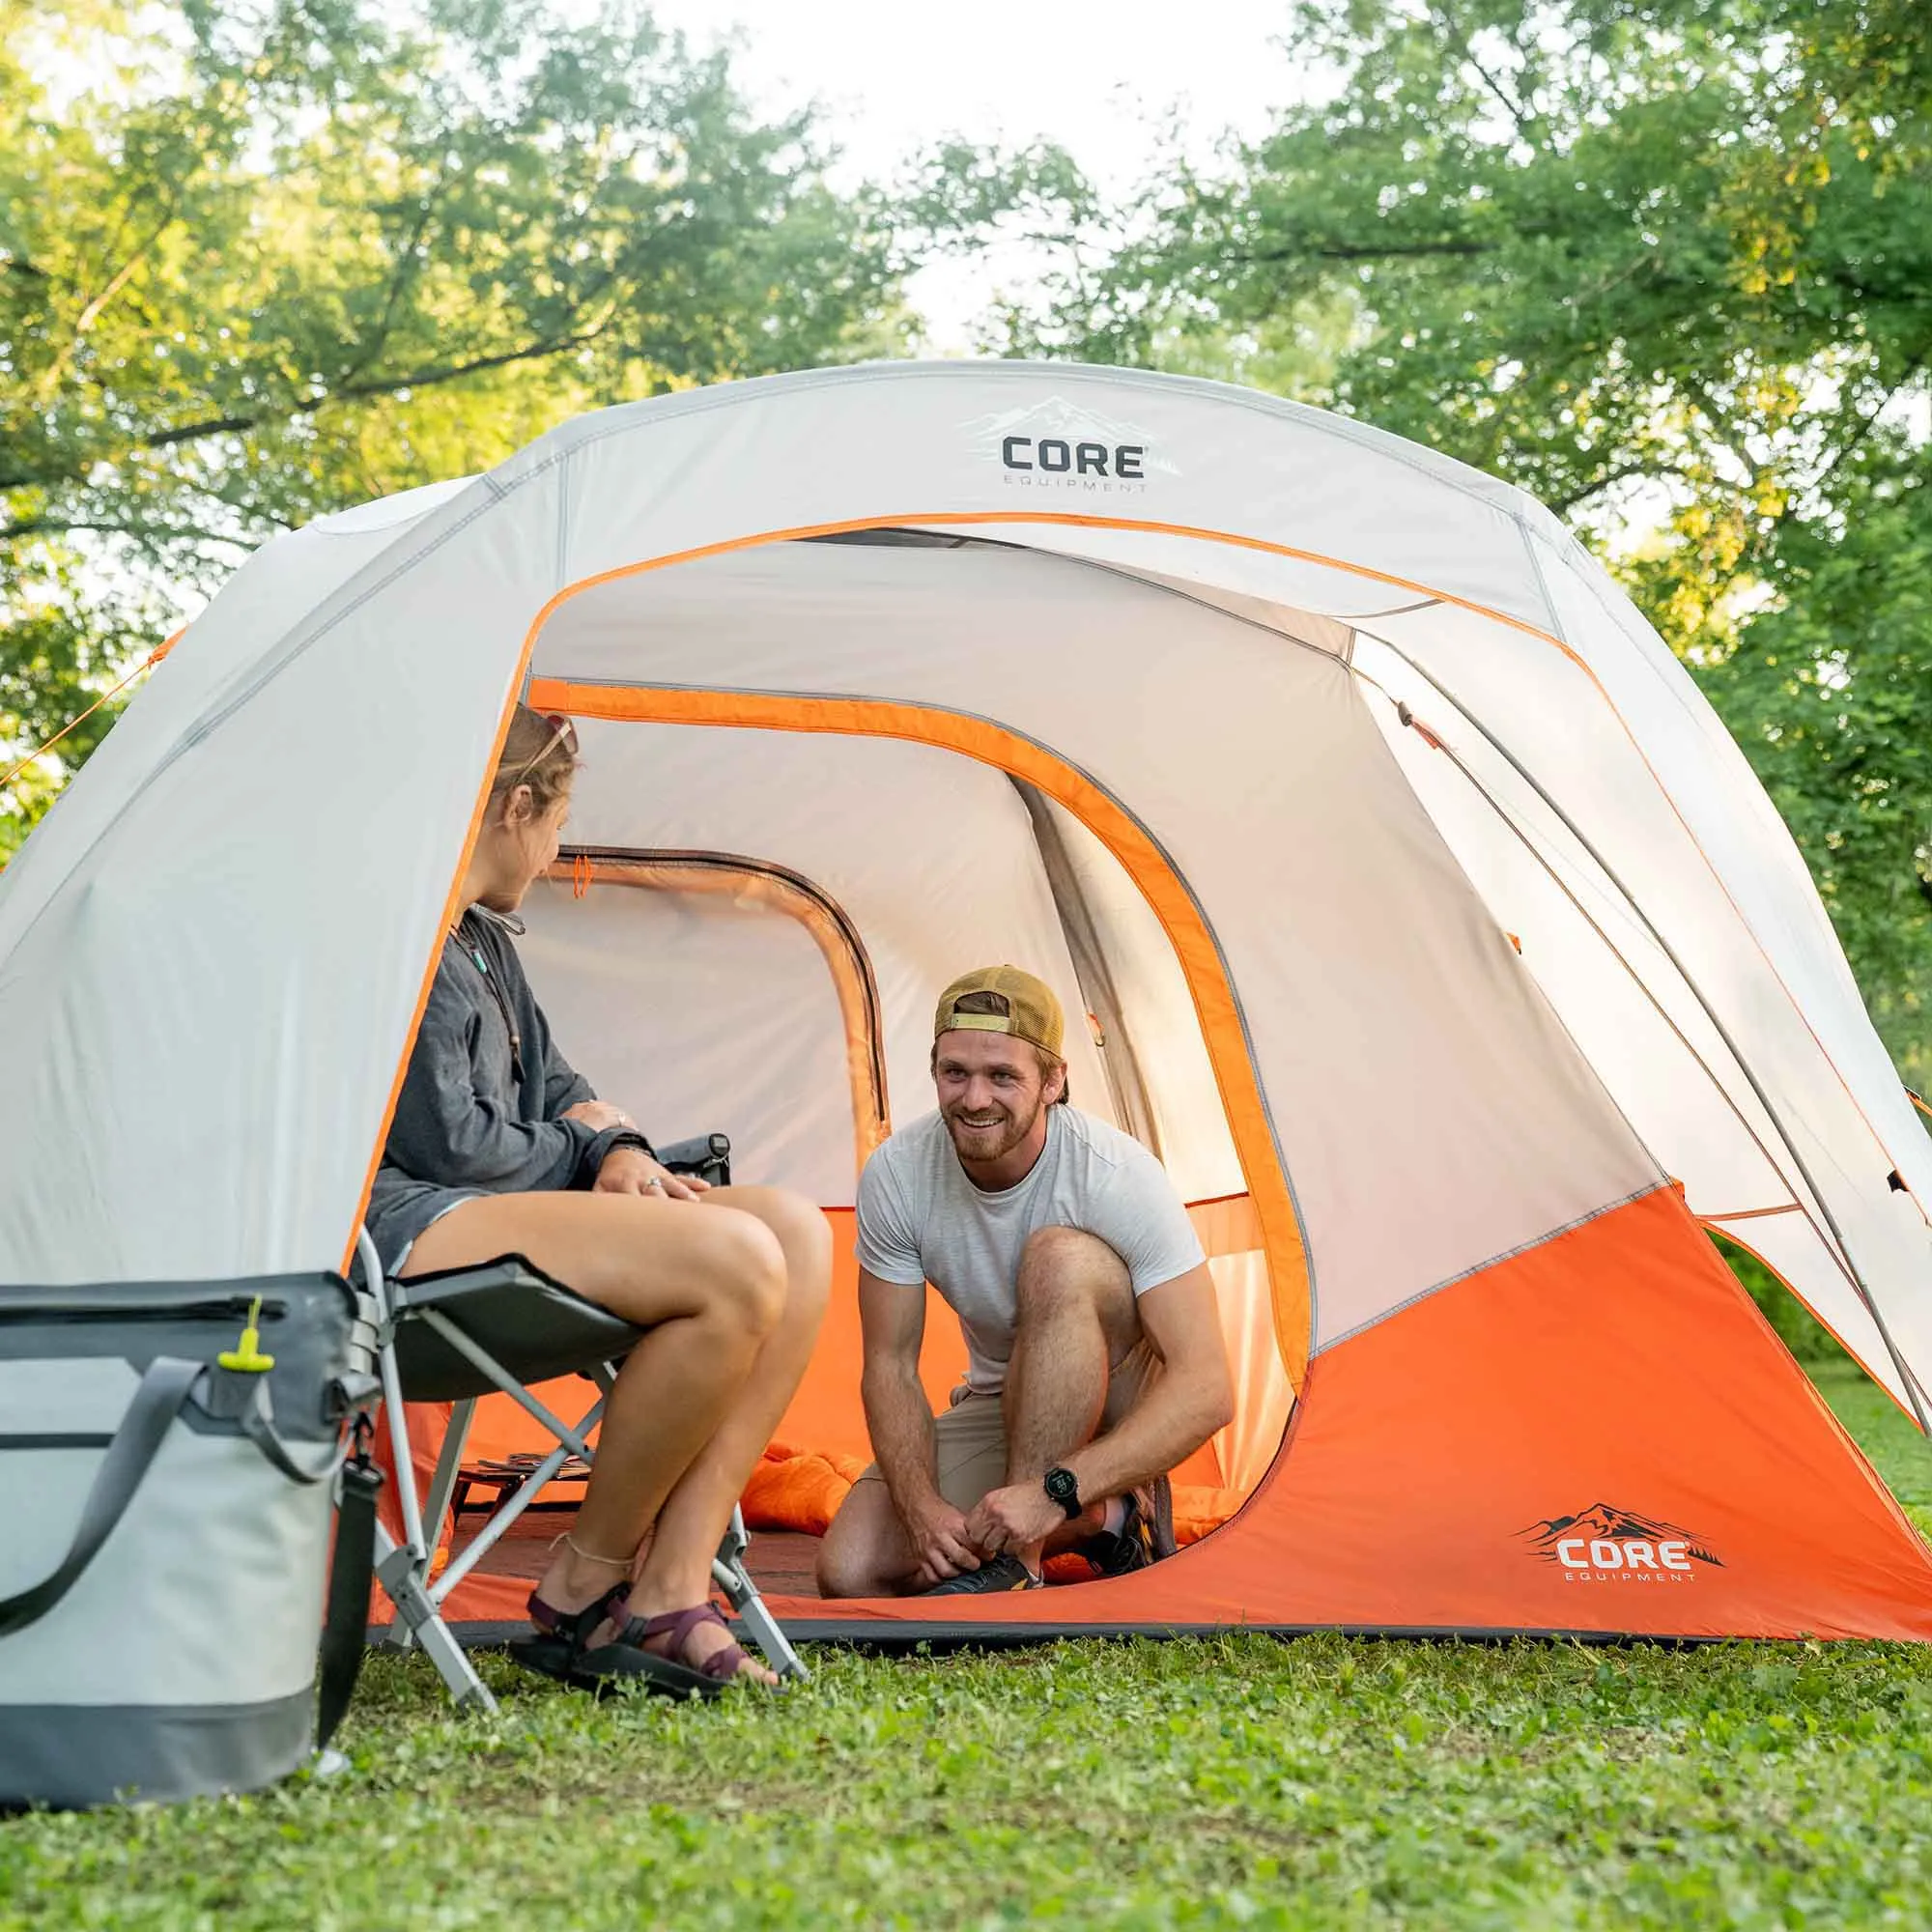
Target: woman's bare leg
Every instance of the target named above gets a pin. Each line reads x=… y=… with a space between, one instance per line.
x=708 y=1287
x=676 y=1570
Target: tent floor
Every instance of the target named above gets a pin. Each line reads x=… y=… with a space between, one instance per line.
x=783 y=1563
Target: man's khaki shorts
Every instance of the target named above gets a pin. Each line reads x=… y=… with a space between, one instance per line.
x=970 y=1436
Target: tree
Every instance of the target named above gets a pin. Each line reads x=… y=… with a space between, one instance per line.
x=1667 y=264
x=258 y=261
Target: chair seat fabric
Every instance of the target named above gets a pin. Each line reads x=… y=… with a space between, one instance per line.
x=533 y=1327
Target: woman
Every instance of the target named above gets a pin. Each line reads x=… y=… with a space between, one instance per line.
x=498 y=1147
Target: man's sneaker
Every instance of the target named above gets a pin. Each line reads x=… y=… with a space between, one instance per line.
x=1145 y=1534
x=1001 y=1573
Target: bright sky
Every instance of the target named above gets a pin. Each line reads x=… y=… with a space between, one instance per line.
x=891 y=78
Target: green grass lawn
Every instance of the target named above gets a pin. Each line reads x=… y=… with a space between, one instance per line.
x=1235 y=1782
x=1898 y=1450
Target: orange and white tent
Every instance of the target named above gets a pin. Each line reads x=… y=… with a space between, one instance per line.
x=1433 y=930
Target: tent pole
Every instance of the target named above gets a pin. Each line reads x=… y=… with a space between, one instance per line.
x=1908 y=1381
x=1127 y=1084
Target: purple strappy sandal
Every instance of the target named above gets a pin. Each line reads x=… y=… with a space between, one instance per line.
x=721 y=1667
x=558 y=1650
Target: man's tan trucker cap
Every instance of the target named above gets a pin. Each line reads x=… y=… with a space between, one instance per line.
x=1024 y=1007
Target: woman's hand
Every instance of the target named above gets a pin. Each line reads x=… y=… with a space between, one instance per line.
x=627 y=1171
x=599 y=1116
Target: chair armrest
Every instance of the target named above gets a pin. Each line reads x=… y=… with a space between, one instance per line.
x=706 y=1155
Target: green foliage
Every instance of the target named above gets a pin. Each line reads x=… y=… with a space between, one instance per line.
x=1830 y=690
x=1798 y=1328
x=1661 y=261
x=260 y=259
x=1883 y=1431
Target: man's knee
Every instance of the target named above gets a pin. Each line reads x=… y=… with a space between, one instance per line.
x=850 y=1560
x=1064 y=1266
x=843 y=1573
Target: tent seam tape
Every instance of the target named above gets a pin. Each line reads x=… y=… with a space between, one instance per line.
x=1541 y=583
x=1586 y=578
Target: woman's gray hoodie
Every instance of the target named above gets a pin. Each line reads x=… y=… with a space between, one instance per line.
x=480 y=1107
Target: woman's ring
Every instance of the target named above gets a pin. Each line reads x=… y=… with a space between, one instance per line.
x=652 y=1182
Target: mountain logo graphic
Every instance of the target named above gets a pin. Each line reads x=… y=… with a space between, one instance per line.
x=1059 y=446
x=1602 y=1542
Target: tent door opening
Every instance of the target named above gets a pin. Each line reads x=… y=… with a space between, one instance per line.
x=898 y=865
x=757 y=953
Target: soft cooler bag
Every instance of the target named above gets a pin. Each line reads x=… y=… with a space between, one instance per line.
x=169 y=1456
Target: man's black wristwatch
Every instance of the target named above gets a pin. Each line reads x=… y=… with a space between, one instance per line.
x=1064 y=1488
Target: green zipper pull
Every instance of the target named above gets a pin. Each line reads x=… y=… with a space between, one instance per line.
x=246 y=1357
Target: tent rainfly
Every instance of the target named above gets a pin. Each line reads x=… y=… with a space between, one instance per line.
x=1434 y=931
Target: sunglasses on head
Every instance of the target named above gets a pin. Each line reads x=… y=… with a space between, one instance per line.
x=562 y=732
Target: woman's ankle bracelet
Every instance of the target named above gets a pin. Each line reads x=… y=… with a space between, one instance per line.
x=576 y=1548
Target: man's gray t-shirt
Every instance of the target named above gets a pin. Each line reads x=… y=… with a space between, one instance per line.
x=920 y=1220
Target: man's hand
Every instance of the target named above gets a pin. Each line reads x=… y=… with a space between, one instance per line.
x=599 y=1116
x=937 y=1533
x=627 y=1171
x=1018 y=1517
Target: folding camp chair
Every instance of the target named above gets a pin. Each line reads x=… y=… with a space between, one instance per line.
x=469 y=1332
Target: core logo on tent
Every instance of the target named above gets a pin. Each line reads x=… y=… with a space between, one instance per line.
x=1059 y=447
x=1607 y=1544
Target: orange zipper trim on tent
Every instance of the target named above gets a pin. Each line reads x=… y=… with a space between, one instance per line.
x=1261 y=544
x=992 y=745
x=773 y=888
x=1072 y=520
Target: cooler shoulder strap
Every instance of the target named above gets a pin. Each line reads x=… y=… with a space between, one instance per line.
x=346 y=1624
x=162 y=1390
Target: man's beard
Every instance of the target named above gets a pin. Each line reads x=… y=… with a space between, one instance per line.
x=990 y=1143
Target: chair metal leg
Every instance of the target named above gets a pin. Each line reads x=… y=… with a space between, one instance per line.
x=509 y=1509
x=728 y=1570
x=449 y=1466
x=403 y=1568
x=399 y=1573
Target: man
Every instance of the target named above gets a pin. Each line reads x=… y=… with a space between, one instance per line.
x=1096 y=1361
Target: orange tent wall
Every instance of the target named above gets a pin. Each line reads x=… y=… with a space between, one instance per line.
x=825 y=1417
x=1616 y=1363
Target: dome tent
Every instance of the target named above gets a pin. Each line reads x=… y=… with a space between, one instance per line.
x=1434 y=930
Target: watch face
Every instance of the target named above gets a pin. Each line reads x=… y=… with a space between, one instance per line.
x=1060 y=1484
